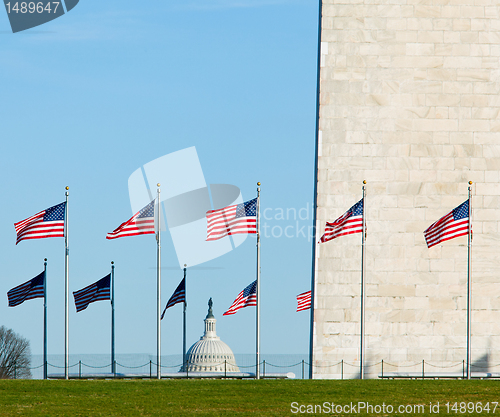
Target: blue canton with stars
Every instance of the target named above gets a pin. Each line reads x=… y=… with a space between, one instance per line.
x=148 y=211
x=462 y=211
x=247 y=209
x=357 y=209
x=251 y=289
x=55 y=213
x=104 y=283
x=37 y=281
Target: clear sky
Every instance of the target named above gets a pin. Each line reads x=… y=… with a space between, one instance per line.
x=90 y=97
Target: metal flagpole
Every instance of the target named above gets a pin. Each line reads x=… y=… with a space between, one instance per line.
x=363 y=295
x=184 y=321
x=113 y=364
x=315 y=196
x=66 y=284
x=158 y=288
x=45 y=319
x=257 y=372
x=469 y=286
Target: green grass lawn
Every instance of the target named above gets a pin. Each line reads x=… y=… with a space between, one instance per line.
x=240 y=397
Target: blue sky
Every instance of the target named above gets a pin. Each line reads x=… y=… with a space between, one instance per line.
x=95 y=94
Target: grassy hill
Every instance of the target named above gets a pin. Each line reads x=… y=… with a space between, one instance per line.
x=246 y=397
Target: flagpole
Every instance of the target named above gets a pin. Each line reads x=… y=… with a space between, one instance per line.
x=45 y=319
x=66 y=284
x=469 y=286
x=315 y=195
x=184 y=321
x=257 y=372
x=113 y=364
x=363 y=294
x=158 y=289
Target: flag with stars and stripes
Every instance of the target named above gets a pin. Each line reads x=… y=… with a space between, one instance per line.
x=454 y=224
x=246 y=298
x=304 y=301
x=141 y=223
x=34 y=288
x=350 y=222
x=232 y=220
x=179 y=296
x=47 y=223
x=97 y=291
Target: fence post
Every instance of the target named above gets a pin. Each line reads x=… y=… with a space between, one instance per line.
x=382 y=369
x=225 y=370
x=79 y=369
x=15 y=371
x=423 y=369
x=463 y=369
x=302 y=368
x=150 y=369
x=264 y=370
x=114 y=369
x=342 y=369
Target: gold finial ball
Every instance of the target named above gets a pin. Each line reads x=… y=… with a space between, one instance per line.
x=258 y=184
x=185 y=265
x=158 y=184
x=67 y=188
x=112 y=262
x=470 y=182
x=364 y=181
x=45 y=259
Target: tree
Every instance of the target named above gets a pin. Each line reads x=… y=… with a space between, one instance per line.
x=15 y=355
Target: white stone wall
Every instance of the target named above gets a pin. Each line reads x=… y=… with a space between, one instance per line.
x=409 y=101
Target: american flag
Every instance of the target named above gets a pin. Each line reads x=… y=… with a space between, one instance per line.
x=179 y=296
x=34 y=288
x=246 y=298
x=454 y=224
x=97 y=291
x=47 y=223
x=141 y=223
x=232 y=220
x=350 y=222
x=304 y=301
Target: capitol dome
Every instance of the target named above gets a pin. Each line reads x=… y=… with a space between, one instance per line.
x=210 y=354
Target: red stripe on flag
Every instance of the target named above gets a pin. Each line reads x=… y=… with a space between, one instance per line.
x=304 y=301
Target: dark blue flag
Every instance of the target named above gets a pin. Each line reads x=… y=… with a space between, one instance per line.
x=34 y=288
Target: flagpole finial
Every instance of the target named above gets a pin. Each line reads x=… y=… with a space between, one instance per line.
x=470 y=182
x=112 y=262
x=185 y=265
x=258 y=183
x=67 y=188
x=364 y=181
x=158 y=185
x=45 y=259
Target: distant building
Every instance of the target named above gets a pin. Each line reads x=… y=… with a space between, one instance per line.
x=210 y=354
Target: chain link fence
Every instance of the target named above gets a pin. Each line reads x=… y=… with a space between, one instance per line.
x=144 y=366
